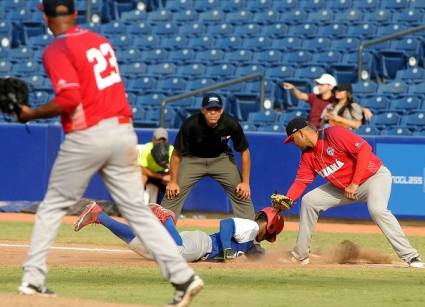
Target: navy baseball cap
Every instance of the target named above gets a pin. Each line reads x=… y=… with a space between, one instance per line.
x=293 y=126
x=55 y=8
x=212 y=100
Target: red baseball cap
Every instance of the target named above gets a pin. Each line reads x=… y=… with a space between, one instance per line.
x=293 y=126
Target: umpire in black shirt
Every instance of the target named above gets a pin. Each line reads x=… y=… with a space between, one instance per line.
x=201 y=149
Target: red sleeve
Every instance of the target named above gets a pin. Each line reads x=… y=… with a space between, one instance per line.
x=64 y=78
x=355 y=146
x=311 y=98
x=305 y=176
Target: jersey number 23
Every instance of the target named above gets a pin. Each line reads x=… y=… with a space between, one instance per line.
x=104 y=58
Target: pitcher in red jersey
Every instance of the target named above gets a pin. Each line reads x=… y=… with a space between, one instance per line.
x=354 y=173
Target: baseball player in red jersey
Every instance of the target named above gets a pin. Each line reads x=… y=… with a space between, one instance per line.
x=99 y=137
x=354 y=173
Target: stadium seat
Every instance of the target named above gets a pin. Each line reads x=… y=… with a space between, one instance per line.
x=143 y=85
x=378 y=103
x=211 y=55
x=415 y=120
x=37 y=98
x=247 y=30
x=113 y=28
x=393 y=88
x=154 y=56
x=220 y=30
x=147 y=42
x=268 y=57
x=291 y=115
x=232 y=5
x=257 y=43
x=262 y=118
x=410 y=16
x=326 y=57
x=363 y=31
x=317 y=44
x=221 y=71
x=201 y=42
x=178 y=5
x=380 y=16
x=387 y=119
x=159 y=17
x=350 y=16
x=129 y=55
x=284 y=5
x=185 y=16
x=276 y=30
x=288 y=43
x=211 y=17
x=305 y=30
x=411 y=75
x=229 y=43
x=309 y=72
x=242 y=56
x=411 y=46
x=312 y=5
x=151 y=100
x=135 y=69
x=165 y=29
x=389 y=62
x=133 y=16
x=175 y=42
x=120 y=7
x=182 y=56
x=417 y=89
x=344 y=73
x=266 y=17
x=17 y=55
x=323 y=16
x=35 y=82
x=162 y=69
x=202 y=6
x=194 y=29
x=368 y=130
x=365 y=88
x=391 y=28
x=31 y=29
x=418 y=5
x=192 y=70
x=395 y=4
x=334 y=30
x=5 y=68
x=294 y=17
x=200 y=83
x=24 y=69
x=405 y=104
x=339 y=5
x=271 y=128
x=172 y=85
x=346 y=44
x=297 y=57
x=248 y=126
x=121 y=41
x=239 y=17
x=280 y=73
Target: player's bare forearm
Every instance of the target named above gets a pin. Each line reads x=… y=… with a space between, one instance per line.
x=246 y=166
x=300 y=95
x=47 y=110
x=151 y=174
x=174 y=165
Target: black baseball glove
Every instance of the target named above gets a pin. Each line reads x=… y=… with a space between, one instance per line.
x=13 y=95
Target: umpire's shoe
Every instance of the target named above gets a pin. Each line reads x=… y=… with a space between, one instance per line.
x=88 y=216
x=29 y=289
x=187 y=291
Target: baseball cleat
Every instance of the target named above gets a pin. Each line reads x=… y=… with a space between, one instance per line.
x=29 y=289
x=294 y=259
x=88 y=216
x=229 y=255
x=186 y=292
x=416 y=262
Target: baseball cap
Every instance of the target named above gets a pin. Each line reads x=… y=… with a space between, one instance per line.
x=160 y=133
x=212 y=100
x=344 y=87
x=51 y=8
x=293 y=126
x=326 y=79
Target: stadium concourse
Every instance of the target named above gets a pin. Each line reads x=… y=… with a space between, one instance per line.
x=168 y=47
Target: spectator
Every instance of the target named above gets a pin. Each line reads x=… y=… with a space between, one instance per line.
x=343 y=111
x=154 y=160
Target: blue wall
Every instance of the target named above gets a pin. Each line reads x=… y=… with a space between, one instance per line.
x=28 y=152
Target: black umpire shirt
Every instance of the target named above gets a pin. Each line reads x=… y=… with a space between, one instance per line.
x=196 y=138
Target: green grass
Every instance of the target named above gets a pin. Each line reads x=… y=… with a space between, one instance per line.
x=294 y=286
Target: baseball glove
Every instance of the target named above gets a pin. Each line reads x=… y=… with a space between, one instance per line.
x=161 y=213
x=13 y=95
x=281 y=202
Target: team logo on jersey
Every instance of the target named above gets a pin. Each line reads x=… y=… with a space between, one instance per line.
x=330 y=151
x=329 y=170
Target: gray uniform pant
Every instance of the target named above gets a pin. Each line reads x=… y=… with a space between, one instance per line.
x=110 y=148
x=375 y=191
x=223 y=169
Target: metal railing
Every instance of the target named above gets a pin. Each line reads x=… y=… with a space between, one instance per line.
x=201 y=91
x=375 y=41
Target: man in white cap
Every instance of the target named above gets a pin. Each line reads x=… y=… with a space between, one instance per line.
x=321 y=96
x=154 y=161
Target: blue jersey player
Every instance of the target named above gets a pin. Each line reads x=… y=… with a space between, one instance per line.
x=236 y=236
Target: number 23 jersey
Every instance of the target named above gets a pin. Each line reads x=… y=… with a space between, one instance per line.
x=85 y=77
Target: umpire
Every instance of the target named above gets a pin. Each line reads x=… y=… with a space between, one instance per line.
x=201 y=149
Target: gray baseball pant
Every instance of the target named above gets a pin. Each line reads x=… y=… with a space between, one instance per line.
x=375 y=192
x=110 y=148
x=223 y=169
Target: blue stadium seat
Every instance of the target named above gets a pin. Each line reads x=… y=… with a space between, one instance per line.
x=259 y=6
x=211 y=17
x=17 y=55
x=135 y=69
x=368 y=130
x=323 y=16
x=154 y=56
x=305 y=30
x=272 y=128
x=182 y=103
x=31 y=29
x=410 y=16
x=151 y=100
x=418 y=5
x=309 y=72
x=276 y=30
x=239 y=17
x=284 y=5
x=5 y=68
x=380 y=16
x=393 y=88
x=165 y=29
x=291 y=115
x=159 y=16
x=162 y=69
x=201 y=42
x=344 y=73
x=365 y=88
x=18 y=15
x=221 y=71
x=171 y=118
x=350 y=16
x=411 y=75
x=286 y=98
x=192 y=70
x=242 y=56
x=417 y=89
x=297 y=57
x=280 y=73
x=419 y=133
x=220 y=30
x=182 y=56
x=175 y=42
x=257 y=43
x=232 y=5
x=268 y=57
x=334 y=30
x=178 y=5
x=415 y=120
x=248 y=126
x=363 y=31
x=200 y=83
x=395 y=4
x=229 y=43
x=339 y=5
x=249 y=69
x=327 y=57
x=113 y=28
x=211 y=55
x=389 y=62
x=405 y=104
x=143 y=85
x=147 y=42
x=366 y=5
x=287 y=43
x=129 y=55
x=134 y=16
x=378 y=103
x=411 y=46
x=172 y=85
x=388 y=119
x=38 y=98
x=247 y=30
x=202 y=6
x=37 y=42
x=262 y=118
x=401 y=131
x=312 y=5
x=194 y=29
x=121 y=41
x=266 y=17
x=186 y=16
x=138 y=114
x=35 y=82
x=391 y=28
x=24 y=69
x=317 y=44
x=119 y=7
x=294 y=17
x=346 y=44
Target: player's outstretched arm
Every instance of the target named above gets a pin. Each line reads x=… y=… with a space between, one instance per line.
x=47 y=110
